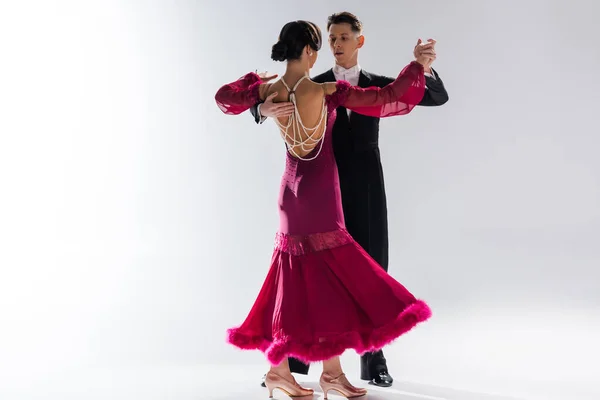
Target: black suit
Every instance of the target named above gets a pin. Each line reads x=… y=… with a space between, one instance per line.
x=356 y=149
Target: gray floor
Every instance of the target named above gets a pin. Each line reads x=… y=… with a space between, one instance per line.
x=195 y=383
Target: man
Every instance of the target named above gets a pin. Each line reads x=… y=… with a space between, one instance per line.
x=356 y=149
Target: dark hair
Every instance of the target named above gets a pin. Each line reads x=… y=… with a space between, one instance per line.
x=293 y=38
x=345 y=18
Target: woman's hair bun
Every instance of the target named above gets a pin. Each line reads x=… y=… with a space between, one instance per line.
x=279 y=51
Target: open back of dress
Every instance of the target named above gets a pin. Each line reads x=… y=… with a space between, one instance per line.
x=302 y=140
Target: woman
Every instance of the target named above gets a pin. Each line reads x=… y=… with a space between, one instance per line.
x=323 y=292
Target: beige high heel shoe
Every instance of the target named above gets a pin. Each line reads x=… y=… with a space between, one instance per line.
x=292 y=389
x=340 y=385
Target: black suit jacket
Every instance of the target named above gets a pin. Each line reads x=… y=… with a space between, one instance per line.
x=356 y=149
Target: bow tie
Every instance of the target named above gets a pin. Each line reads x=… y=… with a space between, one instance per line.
x=341 y=70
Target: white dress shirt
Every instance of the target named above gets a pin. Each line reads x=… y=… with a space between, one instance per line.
x=351 y=75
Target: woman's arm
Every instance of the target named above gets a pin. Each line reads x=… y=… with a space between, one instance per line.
x=397 y=98
x=236 y=97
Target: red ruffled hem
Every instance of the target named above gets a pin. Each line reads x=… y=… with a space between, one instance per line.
x=277 y=350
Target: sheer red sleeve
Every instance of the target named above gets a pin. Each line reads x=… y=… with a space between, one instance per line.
x=396 y=98
x=236 y=97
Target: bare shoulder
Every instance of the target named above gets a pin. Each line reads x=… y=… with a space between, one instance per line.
x=264 y=89
x=329 y=87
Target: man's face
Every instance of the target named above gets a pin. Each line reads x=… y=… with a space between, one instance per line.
x=344 y=43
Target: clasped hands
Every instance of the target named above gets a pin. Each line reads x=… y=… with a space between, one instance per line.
x=425 y=53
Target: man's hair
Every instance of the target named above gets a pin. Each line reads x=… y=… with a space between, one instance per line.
x=347 y=18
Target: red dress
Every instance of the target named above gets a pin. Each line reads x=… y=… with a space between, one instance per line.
x=323 y=292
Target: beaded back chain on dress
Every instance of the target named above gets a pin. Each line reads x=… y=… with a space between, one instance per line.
x=296 y=121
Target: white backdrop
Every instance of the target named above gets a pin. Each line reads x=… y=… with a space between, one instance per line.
x=137 y=221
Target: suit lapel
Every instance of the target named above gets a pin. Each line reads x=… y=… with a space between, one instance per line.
x=329 y=76
x=364 y=79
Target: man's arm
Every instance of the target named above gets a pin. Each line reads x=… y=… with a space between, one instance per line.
x=435 y=93
x=255 y=111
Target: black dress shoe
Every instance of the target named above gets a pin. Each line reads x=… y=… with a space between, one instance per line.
x=382 y=379
x=373 y=368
